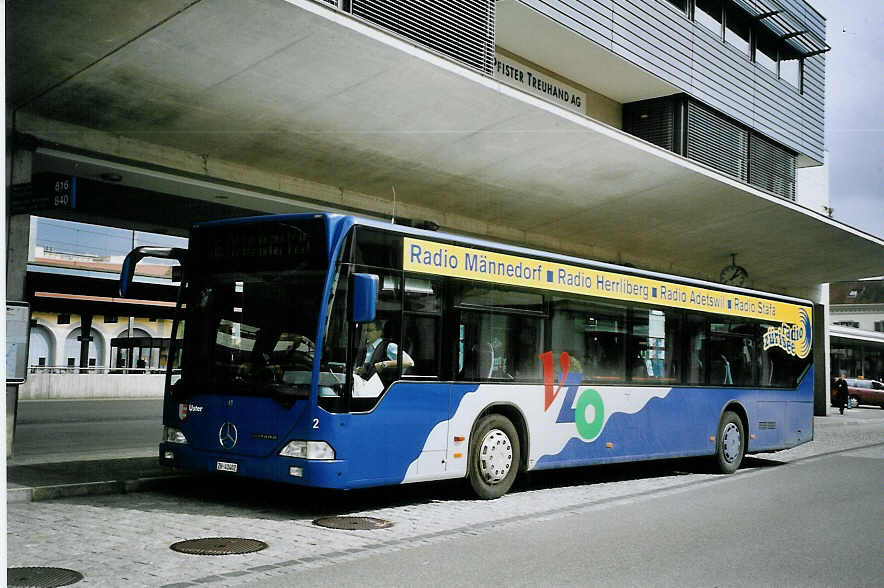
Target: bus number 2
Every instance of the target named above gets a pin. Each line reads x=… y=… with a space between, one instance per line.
x=315 y=423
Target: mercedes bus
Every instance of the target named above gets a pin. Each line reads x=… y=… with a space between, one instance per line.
x=334 y=351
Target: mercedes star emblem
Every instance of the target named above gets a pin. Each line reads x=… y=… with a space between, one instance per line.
x=227 y=435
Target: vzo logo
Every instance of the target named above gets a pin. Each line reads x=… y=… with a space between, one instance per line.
x=588 y=413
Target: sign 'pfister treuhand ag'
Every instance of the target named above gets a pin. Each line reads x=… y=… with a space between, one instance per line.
x=539 y=84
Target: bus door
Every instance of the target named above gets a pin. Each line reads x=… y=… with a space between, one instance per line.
x=398 y=401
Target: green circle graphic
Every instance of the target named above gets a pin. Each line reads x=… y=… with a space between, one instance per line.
x=589 y=430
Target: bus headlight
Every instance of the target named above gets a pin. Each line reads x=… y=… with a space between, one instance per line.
x=308 y=450
x=173 y=435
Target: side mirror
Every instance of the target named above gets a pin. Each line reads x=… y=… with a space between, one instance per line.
x=128 y=272
x=365 y=297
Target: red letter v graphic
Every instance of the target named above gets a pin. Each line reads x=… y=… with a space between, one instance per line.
x=549 y=375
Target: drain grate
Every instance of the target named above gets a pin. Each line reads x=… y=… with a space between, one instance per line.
x=218 y=546
x=41 y=577
x=353 y=523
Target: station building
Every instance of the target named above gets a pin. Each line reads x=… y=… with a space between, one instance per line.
x=857 y=332
x=670 y=135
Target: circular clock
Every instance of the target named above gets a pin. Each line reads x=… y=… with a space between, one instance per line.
x=733 y=274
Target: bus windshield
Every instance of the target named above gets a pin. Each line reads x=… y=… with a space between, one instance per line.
x=253 y=334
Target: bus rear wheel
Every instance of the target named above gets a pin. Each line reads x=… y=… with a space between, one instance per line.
x=729 y=444
x=494 y=457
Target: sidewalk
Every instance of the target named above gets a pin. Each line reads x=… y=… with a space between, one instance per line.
x=47 y=481
x=864 y=415
x=121 y=474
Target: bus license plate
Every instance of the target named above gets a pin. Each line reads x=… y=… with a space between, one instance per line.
x=225 y=466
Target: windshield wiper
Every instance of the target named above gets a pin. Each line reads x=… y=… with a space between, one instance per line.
x=287 y=394
x=295 y=391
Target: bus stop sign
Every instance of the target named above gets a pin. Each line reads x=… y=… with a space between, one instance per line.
x=18 y=319
x=46 y=191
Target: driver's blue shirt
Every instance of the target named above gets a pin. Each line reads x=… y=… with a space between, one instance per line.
x=392 y=350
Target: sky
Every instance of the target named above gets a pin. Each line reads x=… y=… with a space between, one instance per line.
x=855 y=111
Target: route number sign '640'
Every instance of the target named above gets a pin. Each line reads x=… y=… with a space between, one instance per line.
x=46 y=191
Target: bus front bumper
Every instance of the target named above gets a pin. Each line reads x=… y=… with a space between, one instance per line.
x=304 y=472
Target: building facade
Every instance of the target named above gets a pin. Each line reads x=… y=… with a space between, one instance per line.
x=55 y=343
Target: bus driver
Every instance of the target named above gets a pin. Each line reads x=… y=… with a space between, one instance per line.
x=380 y=350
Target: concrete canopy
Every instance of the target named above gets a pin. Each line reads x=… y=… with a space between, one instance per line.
x=296 y=89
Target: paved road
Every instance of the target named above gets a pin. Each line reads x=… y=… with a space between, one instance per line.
x=654 y=523
x=771 y=525
x=40 y=412
x=64 y=430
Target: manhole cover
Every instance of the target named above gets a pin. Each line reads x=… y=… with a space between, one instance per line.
x=353 y=523
x=41 y=577
x=218 y=546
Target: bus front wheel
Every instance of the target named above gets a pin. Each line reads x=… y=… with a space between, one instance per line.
x=494 y=457
x=729 y=444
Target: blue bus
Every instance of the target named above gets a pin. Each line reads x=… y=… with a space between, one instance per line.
x=339 y=352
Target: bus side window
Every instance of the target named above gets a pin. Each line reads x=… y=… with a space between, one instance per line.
x=594 y=336
x=500 y=333
x=421 y=343
x=500 y=346
x=423 y=315
x=526 y=344
x=698 y=343
x=482 y=347
x=732 y=353
x=655 y=340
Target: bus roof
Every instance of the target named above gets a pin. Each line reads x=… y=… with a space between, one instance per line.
x=343 y=223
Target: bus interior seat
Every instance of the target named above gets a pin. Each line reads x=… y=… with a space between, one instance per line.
x=485 y=355
x=478 y=362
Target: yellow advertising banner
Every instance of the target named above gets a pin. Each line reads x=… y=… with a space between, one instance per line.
x=500 y=268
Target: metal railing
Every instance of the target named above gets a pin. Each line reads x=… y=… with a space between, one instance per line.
x=461 y=29
x=100 y=369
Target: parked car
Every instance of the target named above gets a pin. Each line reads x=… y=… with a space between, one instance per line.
x=865 y=392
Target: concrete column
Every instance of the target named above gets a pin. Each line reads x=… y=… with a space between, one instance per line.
x=11 y=414
x=85 y=338
x=18 y=229
x=821 y=353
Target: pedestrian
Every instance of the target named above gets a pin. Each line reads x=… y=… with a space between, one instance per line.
x=840 y=392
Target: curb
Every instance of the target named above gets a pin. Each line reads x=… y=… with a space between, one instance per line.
x=40 y=493
x=844 y=421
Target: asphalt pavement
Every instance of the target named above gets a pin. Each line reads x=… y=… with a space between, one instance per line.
x=86 y=430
